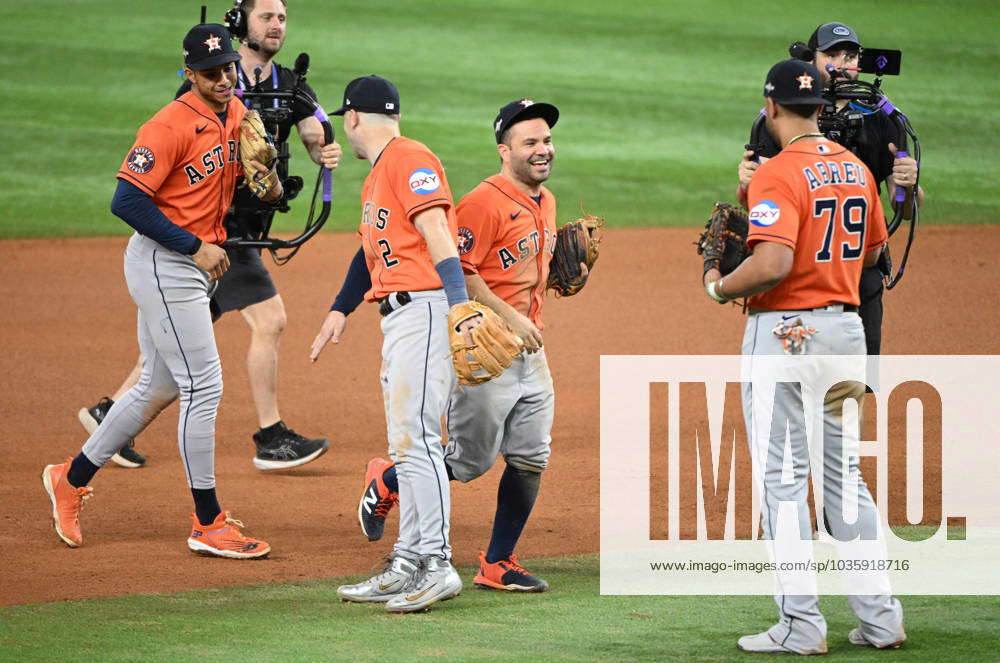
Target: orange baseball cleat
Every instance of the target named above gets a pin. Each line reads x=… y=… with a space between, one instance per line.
x=224 y=538
x=508 y=575
x=66 y=502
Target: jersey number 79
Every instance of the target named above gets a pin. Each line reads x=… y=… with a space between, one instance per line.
x=851 y=214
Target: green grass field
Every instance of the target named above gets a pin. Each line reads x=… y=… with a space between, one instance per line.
x=656 y=97
x=306 y=622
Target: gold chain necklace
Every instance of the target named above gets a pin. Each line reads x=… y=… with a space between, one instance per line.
x=811 y=134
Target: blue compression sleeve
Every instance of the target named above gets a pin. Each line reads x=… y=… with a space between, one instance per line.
x=450 y=271
x=357 y=282
x=135 y=208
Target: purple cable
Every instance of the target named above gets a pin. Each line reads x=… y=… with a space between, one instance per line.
x=320 y=115
x=901 y=191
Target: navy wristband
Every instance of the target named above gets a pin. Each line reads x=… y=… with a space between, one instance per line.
x=453 y=280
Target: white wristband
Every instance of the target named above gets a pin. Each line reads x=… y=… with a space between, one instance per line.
x=713 y=291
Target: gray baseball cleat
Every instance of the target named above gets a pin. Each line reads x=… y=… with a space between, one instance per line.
x=382 y=586
x=435 y=580
x=763 y=643
x=856 y=637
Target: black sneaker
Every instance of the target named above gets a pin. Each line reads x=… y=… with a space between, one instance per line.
x=127 y=456
x=286 y=449
x=91 y=418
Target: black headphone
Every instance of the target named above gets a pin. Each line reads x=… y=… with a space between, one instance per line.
x=800 y=51
x=236 y=21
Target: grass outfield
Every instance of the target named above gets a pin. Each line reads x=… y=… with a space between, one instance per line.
x=306 y=622
x=656 y=97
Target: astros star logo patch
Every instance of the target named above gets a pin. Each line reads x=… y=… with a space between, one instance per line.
x=466 y=240
x=213 y=43
x=140 y=160
x=526 y=102
x=805 y=82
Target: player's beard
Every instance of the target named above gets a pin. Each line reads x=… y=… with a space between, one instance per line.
x=527 y=173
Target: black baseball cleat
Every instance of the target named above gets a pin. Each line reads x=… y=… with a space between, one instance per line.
x=91 y=418
x=286 y=449
x=376 y=501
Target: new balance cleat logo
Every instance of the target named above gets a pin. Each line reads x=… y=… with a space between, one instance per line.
x=371 y=499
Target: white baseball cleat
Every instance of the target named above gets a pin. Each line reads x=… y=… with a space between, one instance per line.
x=383 y=586
x=435 y=580
x=762 y=643
x=855 y=637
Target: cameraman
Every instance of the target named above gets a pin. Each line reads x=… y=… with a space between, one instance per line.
x=875 y=143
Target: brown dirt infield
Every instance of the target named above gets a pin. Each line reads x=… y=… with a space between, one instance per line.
x=69 y=339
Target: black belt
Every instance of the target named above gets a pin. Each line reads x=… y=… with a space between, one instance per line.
x=385 y=304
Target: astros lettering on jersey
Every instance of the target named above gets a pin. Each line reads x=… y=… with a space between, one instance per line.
x=186 y=160
x=508 y=239
x=830 y=223
x=405 y=180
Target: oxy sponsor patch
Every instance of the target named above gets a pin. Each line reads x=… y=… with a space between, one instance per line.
x=140 y=160
x=424 y=181
x=466 y=240
x=765 y=213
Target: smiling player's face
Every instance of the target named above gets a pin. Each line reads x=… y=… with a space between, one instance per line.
x=529 y=151
x=214 y=86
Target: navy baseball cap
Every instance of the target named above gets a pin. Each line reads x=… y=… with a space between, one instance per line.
x=521 y=110
x=370 y=94
x=794 y=83
x=829 y=35
x=208 y=45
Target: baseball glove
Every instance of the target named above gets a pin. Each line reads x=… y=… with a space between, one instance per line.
x=493 y=348
x=256 y=145
x=723 y=245
x=576 y=242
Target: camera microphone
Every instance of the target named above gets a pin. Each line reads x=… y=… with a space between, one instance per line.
x=834 y=72
x=301 y=67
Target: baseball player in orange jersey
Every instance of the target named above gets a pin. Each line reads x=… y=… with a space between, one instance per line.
x=174 y=188
x=506 y=237
x=815 y=221
x=407 y=263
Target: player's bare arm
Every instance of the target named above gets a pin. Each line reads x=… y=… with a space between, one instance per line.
x=520 y=324
x=432 y=224
x=871 y=257
x=212 y=259
x=311 y=133
x=330 y=332
x=769 y=263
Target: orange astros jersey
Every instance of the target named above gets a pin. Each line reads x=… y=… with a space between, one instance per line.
x=822 y=201
x=507 y=238
x=186 y=160
x=405 y=180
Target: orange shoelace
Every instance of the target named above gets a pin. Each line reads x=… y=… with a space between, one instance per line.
x=512 y=563
x=383 y=505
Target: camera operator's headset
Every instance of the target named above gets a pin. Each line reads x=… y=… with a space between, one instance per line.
x=236 y=21
x=871 y=96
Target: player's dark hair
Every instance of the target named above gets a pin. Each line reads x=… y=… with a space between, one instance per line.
x=802 y=110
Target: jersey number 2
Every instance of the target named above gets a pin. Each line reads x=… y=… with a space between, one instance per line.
x=386 y=252
x=852 y=215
